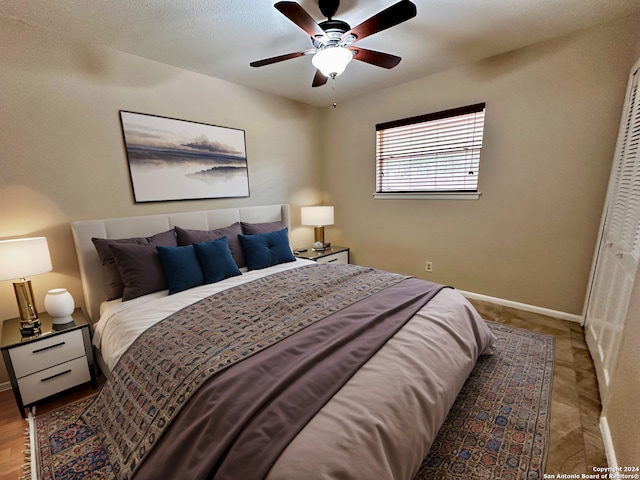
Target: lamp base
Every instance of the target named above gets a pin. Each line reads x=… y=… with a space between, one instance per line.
x=319 y=244
x=318 y=234
x=321 y=247
x=26 y=303
x=30 y=328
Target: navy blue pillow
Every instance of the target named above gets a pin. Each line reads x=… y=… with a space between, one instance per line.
x=216 y=260
x=266 y=249
x=181 y=266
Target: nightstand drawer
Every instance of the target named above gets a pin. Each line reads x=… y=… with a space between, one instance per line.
x=36 y=356
x=53 y=380
x=339 y=257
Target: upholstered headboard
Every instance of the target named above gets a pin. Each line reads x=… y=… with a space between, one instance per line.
x=92 y=274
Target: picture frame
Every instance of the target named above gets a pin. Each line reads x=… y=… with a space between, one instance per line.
x=171 y=159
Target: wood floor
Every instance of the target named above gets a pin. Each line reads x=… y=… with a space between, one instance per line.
x=575 y=443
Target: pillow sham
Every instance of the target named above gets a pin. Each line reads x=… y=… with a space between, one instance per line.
x=216 y=260
x=264 y=250
x=181 y=267
x=115 y=286
x=140 y=268
x=188 y=237
x=256 y=228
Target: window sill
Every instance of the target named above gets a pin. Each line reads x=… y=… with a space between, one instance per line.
x=428 y=196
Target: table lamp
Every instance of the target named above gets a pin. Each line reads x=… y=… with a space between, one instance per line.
x=20 y=258
x=318 y=217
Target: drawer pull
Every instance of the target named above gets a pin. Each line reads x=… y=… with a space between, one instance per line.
x=332 y=260
x=56 y=375
x=49 y=347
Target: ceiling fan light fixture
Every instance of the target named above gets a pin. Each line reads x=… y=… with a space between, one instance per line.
x=332 y=61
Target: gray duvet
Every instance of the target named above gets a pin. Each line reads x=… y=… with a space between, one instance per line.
x=382 y=423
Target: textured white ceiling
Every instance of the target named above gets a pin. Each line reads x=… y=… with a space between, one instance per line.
x=220 y=37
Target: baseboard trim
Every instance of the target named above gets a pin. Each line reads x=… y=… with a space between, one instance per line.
x=608 y=443
x=5 y=386
x=526 y=307
x=33 y=458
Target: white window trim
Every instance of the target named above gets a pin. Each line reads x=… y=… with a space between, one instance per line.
x=428 y=196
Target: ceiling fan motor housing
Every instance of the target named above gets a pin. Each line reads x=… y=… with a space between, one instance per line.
x=329 y=7
x=334 y=29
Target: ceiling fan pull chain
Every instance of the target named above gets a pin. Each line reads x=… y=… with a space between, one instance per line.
x=333 y=90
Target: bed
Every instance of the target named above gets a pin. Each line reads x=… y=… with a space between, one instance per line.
x=385 y=397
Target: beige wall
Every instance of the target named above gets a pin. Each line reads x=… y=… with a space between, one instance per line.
x=552 y=116
x=62 y=155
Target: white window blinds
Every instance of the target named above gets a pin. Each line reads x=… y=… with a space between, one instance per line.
x=437 y=152
x=624 y=211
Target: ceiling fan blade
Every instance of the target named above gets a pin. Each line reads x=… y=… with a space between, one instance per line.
x=300 y=17
x=319 y=79
x=389 y=17
x=280 y=58
x=379 y=59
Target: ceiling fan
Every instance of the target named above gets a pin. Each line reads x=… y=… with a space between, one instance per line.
x=333 y=40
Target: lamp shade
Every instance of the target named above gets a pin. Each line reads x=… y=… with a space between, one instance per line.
x=332 y=61
x=317 y=216
x=23 y=257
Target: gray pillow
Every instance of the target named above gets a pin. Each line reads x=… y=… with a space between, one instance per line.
x=115 y=286
x=258 y=228
x=188 y=237
x=140 y=268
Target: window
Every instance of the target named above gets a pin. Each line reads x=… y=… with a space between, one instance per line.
x=437 y=154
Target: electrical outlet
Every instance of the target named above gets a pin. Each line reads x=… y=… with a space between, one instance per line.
x=428 y=267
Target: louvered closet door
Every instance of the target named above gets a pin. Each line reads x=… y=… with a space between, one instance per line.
x=619 y=252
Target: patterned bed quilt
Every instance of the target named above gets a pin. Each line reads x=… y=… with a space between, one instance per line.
x=309 y=371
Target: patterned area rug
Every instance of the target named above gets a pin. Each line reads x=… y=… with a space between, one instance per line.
x=58 y=431
x=497 y=428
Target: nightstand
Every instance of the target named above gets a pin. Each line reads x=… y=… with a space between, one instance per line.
x=334 y=254
x=61 y=357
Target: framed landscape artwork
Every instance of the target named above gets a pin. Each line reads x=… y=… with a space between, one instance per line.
x=172 y=159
